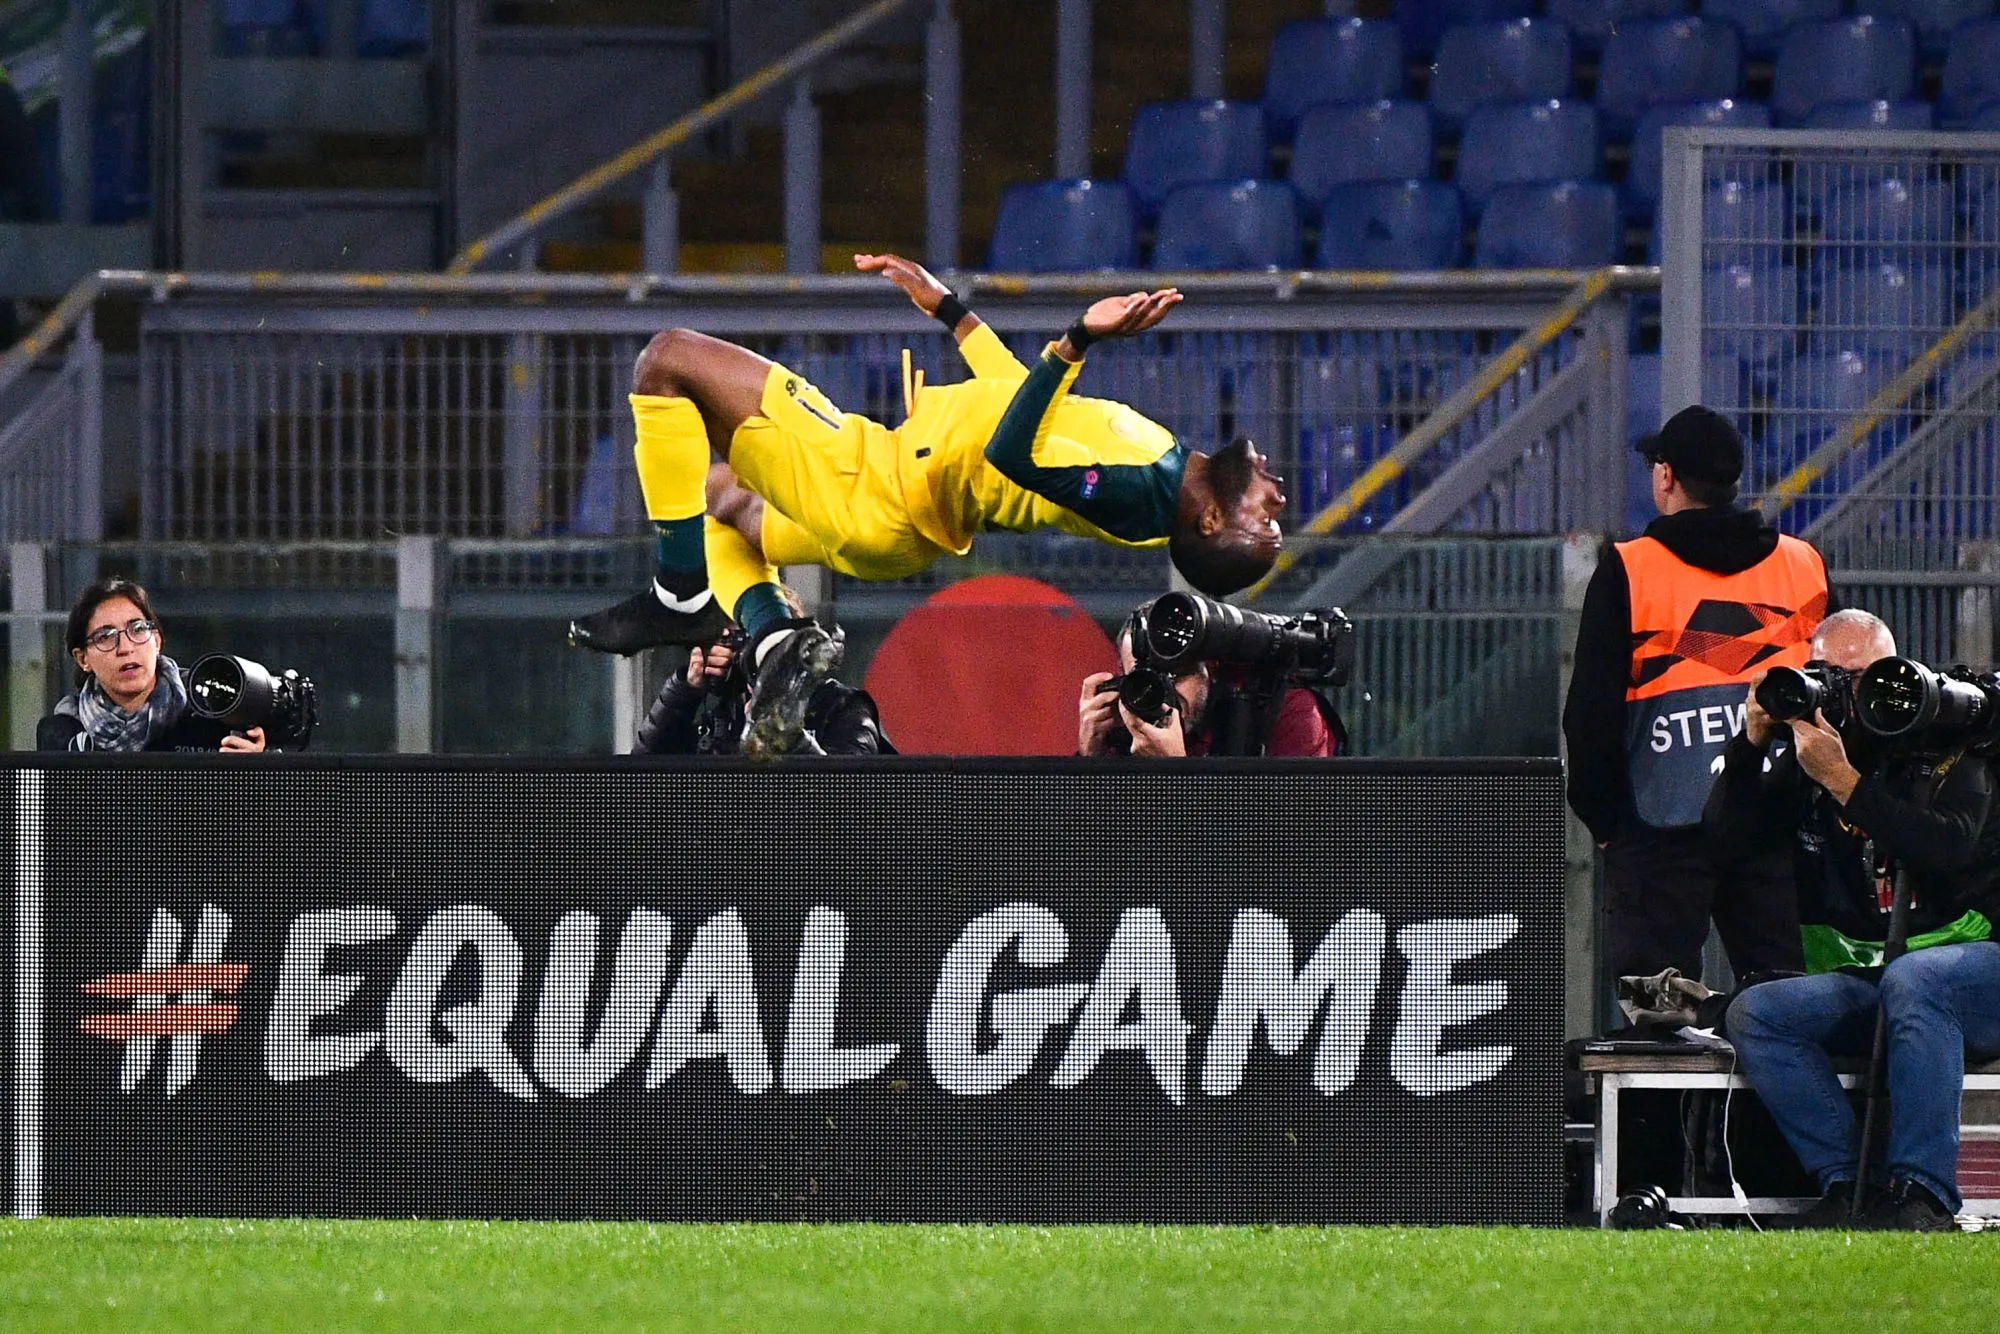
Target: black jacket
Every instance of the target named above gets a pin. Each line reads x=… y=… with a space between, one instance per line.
x=190 y=732
x=1726 y=541
x=1949 y=842
x=684 y=720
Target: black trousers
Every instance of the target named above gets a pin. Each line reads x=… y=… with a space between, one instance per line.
x=1662 y=886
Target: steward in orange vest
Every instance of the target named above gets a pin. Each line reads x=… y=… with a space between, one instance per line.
x=1674 y=626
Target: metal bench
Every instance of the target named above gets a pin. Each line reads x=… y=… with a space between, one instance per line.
x=1615 y=1072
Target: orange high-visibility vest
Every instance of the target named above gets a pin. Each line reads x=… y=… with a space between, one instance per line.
x=1698 y=637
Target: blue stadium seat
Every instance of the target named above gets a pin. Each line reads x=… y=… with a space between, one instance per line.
x=1523 y=143
x=1824 y=390
x=1571 y=225
x=1329 y=60
x=1642 y=178
x=391 y=29
x=271 y=28
x=1359 y=141
x=1666 y=60
x=1870 y=116
x=1219 y=225
x=1423 y=22
x=1763 y=22
x=1934 y=19
x=1065 y=226
x=1891 y=210
x=1391 y=225
x=1752 y=312
x=1847 y=60
x=1971 y=73
x=1185 y=143
x=1746 y=222
x=121 y=124
x=1523 y=60
x=1591 y=22
x=1880 y=303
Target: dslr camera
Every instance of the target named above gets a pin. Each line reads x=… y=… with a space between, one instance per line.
x=241 y=694
x=1898 y=699
x=1177 y=632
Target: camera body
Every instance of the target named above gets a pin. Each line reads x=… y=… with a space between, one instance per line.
x=242 y=694
x=1791 y=693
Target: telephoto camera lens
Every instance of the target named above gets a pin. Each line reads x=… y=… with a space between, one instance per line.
x=235 y=692
x=1787 y=694
x=1899 y=697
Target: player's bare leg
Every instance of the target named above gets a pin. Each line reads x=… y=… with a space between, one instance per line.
x=689 y=394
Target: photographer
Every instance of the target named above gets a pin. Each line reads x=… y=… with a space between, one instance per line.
x=1306 y=724
x=702 y=711
x=1854 y=809
x=130 y=696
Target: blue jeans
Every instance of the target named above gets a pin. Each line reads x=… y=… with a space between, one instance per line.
x=1939 y=1001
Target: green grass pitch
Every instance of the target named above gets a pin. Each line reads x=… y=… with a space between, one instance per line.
x=208 y=1275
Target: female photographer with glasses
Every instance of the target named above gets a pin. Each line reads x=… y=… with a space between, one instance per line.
x=130 y=696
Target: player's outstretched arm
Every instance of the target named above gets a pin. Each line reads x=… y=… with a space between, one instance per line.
x=1117 y=317
x=923 y=288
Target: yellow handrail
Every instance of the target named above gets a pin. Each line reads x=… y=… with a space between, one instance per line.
x=1891 y=395
x=601 y=177
x=1449 y=415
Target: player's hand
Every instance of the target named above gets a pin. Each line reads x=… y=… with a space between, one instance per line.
x=913 y=278
x=1165 y=740
x=706 y=668
x=1823 y=757
x=250 y=742
x=1758 y=725
x=1124 y=316
x=1096 y=714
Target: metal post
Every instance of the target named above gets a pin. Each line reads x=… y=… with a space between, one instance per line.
x=27 y=642
x=1974 y=642
x=1072 y=88
x=660 y=221
x=193 y=171
x=631 y=696
x=1680 y=222
x=1582 y=1014
x=421 y=566
x=1606 y=342
x=86 y=363
x=522 y=434
x=802 y=180
x=1207 y=21
x=343 y=28
x=73 y=115
x=942 y=79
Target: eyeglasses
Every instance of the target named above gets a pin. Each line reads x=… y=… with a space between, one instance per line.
x=105 y=640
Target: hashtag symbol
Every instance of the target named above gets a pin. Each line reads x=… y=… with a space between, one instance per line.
x=171 y=997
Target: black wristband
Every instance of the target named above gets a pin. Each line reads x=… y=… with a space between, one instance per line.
x=1079 y=337
x=950 y=311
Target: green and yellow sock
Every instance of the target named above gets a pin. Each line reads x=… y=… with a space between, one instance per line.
x=671 y=453
x=745 y=583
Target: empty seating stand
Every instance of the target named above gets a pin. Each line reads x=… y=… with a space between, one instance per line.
x=1218 y=225
x=1763 y=22
x=1423 y=22
x=1971 y=72
x=1571 y=225
x=1933 y=19
x=1392 y=225
x=1342 y=143
x=1649 y=62
x=1525 y=143
x=1521 y=60
x=1057 y=226
x=1329 y=60
x=1189 y=142
x=1859 y=59
x=1591 y=22
x=1642 y=176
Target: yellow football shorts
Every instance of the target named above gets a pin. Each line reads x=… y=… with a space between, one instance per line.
x=832 y=490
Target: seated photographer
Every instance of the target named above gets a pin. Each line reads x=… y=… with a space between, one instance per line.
x=130 y=695
x=1305 y=725
x=1857 y=807
x=703 y=711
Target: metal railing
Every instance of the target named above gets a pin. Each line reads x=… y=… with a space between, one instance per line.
x=1836 y=294
x=660 y=210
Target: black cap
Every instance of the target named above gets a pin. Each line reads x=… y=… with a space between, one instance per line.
x=1699 y=444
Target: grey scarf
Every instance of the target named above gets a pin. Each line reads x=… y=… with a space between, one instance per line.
x=108 y=727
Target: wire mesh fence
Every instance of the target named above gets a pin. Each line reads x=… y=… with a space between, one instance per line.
x=1836 y=296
